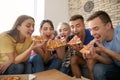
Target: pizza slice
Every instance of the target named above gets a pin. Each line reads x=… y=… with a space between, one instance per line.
x=85 y=48
x=38 y=38
x=52 y=44
x=61 y=42
x=75 y=40
x=11 y=78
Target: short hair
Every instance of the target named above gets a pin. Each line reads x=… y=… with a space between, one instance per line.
x=105 y=18
x=75 y=17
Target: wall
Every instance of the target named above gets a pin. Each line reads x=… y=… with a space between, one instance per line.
x=56 y=10
x=112 y=7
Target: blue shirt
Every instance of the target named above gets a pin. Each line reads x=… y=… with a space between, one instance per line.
x=88 y=37
x=114 y=44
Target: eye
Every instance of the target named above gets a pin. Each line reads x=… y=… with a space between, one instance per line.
x=51 y=29
x=96 y=28
x=59 y=30
x=72 y=26
x=78 y=25
x=27 y=26
x=45 y=28
x=65 y=29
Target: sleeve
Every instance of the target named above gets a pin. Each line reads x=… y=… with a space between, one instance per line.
x=118 y=32
x=6 y=45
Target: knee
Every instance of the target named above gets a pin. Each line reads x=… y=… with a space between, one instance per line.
x=98 y=70
x=58 y=60
x=37 y=57
x=17 y=68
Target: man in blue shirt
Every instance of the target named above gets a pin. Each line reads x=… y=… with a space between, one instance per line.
x=78 y=64
x=108 y=42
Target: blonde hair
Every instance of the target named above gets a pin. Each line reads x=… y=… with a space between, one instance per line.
x=62 y=23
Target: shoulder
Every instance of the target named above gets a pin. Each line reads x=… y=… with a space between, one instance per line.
x=87 y=31
x=88 y=34
x=117 y=29
x=5 y=37
x=117 y=32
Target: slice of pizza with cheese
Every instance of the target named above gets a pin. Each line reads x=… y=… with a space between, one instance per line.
x=61 y=42
x=75 y=40
x=52 y=44
x=38 y=38
x=85 y=48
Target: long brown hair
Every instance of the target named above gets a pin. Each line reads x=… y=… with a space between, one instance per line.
x=13 y=31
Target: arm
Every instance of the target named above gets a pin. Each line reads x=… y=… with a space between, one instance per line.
x=96 y=55
x=103 y=58
x=112 y=54
x=109 y=52
x=26 y=54
x=61 y=52
x=7 y=63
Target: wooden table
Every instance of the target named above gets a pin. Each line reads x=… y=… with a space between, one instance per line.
x=52 y=75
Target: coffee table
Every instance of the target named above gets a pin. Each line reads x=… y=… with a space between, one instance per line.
x=52 y=75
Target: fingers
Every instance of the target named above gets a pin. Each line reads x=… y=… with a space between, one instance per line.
x=2 y=69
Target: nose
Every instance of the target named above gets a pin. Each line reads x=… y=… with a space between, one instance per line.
x=62 y=32
x=48 y=31
x=32 y=28
x=75 y=29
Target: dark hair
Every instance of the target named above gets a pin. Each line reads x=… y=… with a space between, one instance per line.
x=14 y=32
x=46 y=21
x=75 y=17
x=105 y=18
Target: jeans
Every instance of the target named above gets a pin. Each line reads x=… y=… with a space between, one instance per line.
x=36 y=63
x=113 y=73
x=65 y=70
x=100 y=70
x=54 y=63
x=15 y=69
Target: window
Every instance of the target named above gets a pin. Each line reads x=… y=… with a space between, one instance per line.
x=11 y=9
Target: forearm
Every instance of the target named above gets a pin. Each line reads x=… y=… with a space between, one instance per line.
x=113 y=54
x=103 y=59
x=23 y=56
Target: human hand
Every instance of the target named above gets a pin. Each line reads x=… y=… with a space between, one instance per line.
x=36 y=44
x=4 y=66
x=76 y=47
x=100 y=47
x=91 y=54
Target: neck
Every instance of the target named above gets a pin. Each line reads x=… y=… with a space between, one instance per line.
x=21 y=39
x=110 y=35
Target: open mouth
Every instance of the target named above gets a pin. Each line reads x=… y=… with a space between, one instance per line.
x=76 y=34
x=98 y=38
x=29 y=33
x=63 y=35
x=48 y=36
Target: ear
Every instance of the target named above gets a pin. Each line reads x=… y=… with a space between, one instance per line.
x=18 y=27
x=109 y=25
